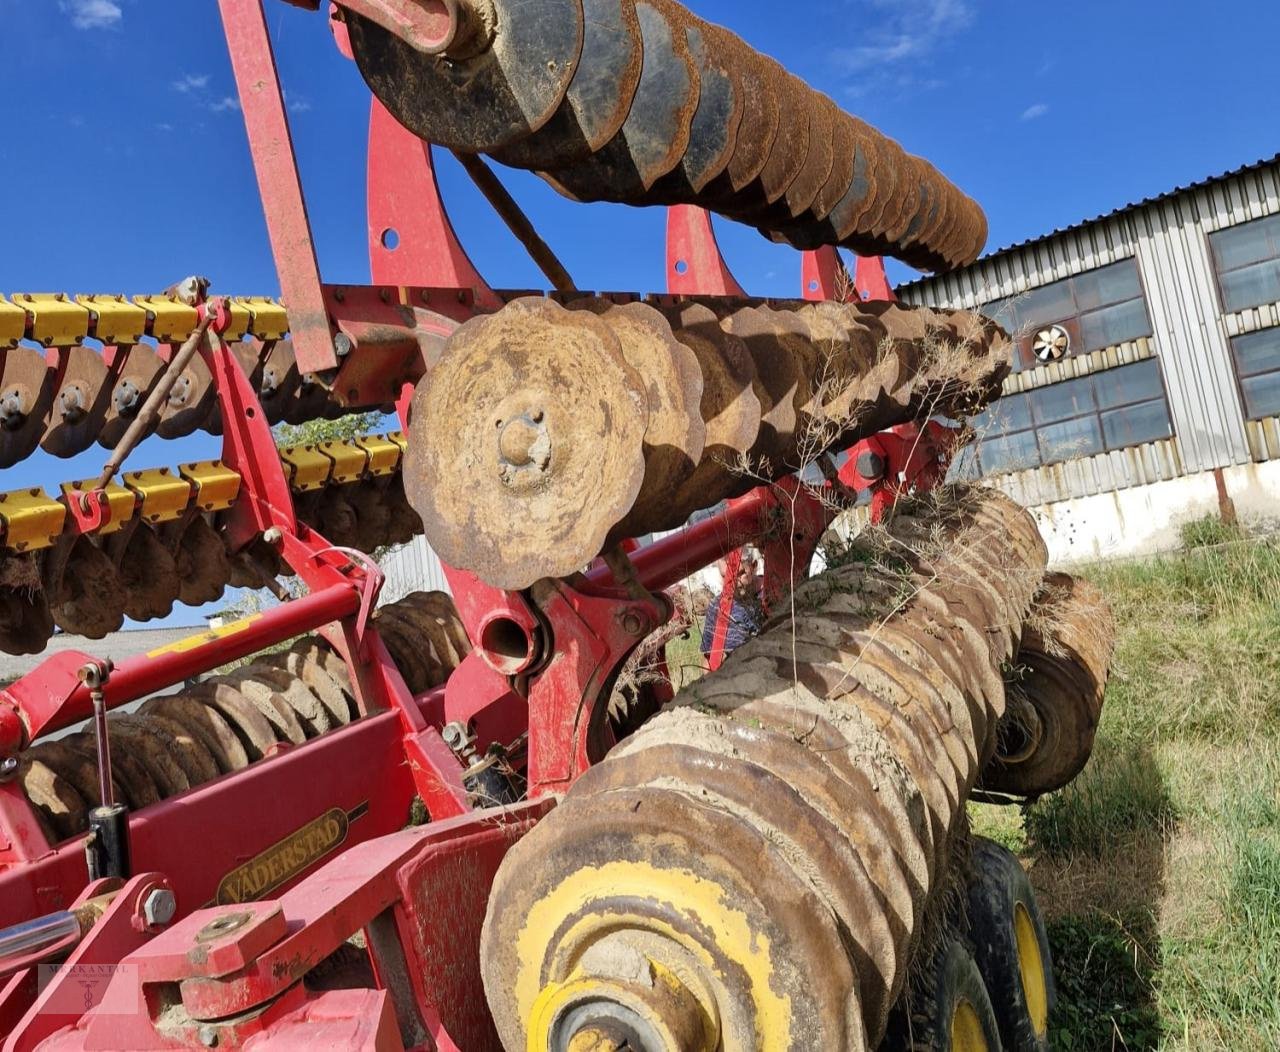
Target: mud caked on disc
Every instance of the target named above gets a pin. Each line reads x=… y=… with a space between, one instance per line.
x=526 y=445
x=26 y=399
x=504 y=90
x=676 y=434
x=599 y=96
x=204 y=569
x=148 y=572
x=80 y=405
x=85 y=593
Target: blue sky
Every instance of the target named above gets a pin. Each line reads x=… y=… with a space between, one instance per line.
x=125 y=165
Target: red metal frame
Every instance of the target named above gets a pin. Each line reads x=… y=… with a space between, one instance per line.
x=547 y=704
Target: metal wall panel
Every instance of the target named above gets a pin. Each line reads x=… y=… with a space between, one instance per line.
x=412 y=567
x=1204 y=400
x=1169 y=237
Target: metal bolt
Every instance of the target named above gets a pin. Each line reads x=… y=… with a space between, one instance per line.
x=126 y=397
x=342 y=345
x=632 y=623
x=208 y=1036
x=12 y=414
x=159 y=908
x=72 y=400
x=454 y=735
x=8 y=768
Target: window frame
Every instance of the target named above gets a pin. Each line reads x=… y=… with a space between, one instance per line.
x=1024 y=359
x=1219 y=270
x=1096 y=414
x=1241 y=377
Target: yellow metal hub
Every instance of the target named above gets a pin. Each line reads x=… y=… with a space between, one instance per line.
x=1035 y=988
x=648 y=1010
x=966 y=1029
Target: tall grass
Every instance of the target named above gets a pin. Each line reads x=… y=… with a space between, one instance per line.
x=1160 y=865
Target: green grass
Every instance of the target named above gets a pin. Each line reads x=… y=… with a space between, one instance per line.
x=1159 y=867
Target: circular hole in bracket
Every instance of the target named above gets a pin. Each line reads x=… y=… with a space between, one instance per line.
x=390 y=239
x=813 y=284
x=682 y=266
x=505 y=645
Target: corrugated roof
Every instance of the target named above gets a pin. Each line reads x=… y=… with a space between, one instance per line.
x=1122 y=210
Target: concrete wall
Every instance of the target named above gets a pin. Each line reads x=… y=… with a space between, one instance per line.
x=1146 y=520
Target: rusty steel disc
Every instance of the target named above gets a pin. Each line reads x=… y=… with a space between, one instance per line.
x=779 y=381
x=655 y=134
x=676 y=434
x=440 y=606
x=843 y=155
x=86 y=596
x=599 y=96
x=77 y=766
x=187 y=748
x=205 y=723
x=26 y=400
x=713 y=134
x=487 y=100
x=26 y=622
x=737 y=185
x=404 y=522
x=845 y=220
x=148 y=572
x=149 y=748
x=80 y=404
x=430 y=632
x=240 y=714
x=336 y=519
x=278 y=712
x=310 y=400
x=412 y=656
x=526 y=446
x=57 y=802
x=373 y=517
x=791 y=145
x=802 y=193
x=133 y=374
x=204 y=569
x=313 y=717
x=730 y=407
x=137 y=786
x=191 y=401
x=307 y=661
x=277 y=384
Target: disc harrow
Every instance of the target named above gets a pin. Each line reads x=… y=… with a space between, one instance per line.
x=164 y=540
x=179 y=741
x=67 y=395
x=659 y=411
x=750 y=869
x=642 y=102
x=1056 y=686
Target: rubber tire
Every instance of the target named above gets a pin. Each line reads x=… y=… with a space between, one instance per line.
x=998 y=886
x=952 y=976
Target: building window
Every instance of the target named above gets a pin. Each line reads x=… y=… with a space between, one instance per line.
x=1248 y=261
x=1104 y=411
x=1257 y=357
x=1095 y=310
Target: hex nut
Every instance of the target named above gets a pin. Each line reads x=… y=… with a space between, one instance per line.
x=159 y=908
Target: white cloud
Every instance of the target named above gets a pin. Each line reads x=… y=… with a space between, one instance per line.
x=226 y=104
x=297 y=103
x=92 y=14
x=1031 y=113
x=191 y=82
x=903 y=30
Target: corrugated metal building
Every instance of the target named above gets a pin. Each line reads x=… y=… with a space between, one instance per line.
x=1146 y=384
